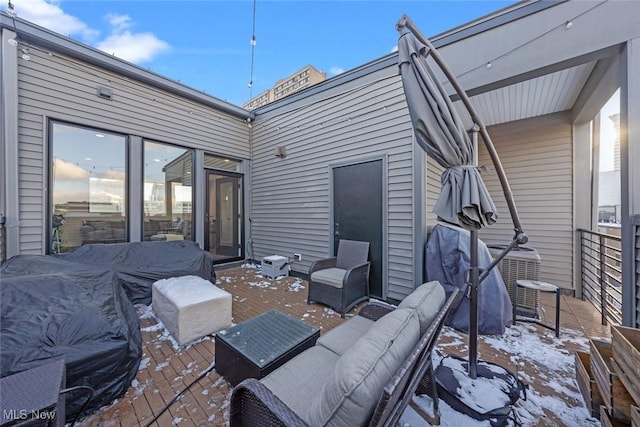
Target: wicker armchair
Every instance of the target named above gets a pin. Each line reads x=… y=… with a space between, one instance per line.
x=341 y=282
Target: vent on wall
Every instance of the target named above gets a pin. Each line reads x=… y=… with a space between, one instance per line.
x=104 y=92
x=523 y=263
x=280 y=152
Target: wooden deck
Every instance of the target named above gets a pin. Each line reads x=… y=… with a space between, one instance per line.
x=167 y=369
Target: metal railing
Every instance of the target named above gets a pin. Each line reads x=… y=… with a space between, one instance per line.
x=601 y=273
x=3 y=238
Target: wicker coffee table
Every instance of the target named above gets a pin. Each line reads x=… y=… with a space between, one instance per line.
x=256 y=347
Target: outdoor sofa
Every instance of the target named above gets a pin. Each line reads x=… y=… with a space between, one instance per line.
x=363 y=372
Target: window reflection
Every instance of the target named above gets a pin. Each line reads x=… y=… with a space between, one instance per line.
x=224 y=163
x=88 y=190
x=168 y=195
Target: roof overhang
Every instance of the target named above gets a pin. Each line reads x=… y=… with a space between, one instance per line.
x=48 y=40
x=539 y=64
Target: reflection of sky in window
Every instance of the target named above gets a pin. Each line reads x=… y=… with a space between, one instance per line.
x=92 y=150
x=80 y=154
x=156 y=157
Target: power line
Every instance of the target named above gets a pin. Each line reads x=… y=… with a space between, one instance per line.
x=253 y=49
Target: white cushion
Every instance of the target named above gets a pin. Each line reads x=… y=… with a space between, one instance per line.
x=352 y=392
x=190 y=307
x=330 y=276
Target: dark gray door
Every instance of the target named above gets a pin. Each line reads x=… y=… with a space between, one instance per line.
x=357 y=212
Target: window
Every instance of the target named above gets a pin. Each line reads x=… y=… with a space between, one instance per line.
x=224 y=163
x=168 y=192
x=88 y=187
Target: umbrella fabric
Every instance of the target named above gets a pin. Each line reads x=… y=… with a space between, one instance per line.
x=464 y=200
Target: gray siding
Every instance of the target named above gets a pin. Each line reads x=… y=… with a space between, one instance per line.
x=537 y=156
x=636 y=281
x=434 y=171
x=291 y=196
x=57 y=87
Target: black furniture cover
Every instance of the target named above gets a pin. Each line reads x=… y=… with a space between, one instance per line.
x=53 y=309
x=79 y=306
x=138 y=264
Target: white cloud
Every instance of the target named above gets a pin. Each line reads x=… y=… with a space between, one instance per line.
x=336 y=70
x=48 y=14
x=133 y=47
x=119 y=23
x=67 y=171
x=121 y=42
x=117 y=175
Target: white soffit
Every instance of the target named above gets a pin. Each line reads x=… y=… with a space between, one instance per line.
x=547 y=94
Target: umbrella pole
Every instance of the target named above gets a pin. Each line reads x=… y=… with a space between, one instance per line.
x=519 y=238
x=405 y=22
x=473 y=306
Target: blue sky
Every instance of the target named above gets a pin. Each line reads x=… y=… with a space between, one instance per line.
x=206 y=44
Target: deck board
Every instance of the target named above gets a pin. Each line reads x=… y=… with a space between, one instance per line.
x=168 y=368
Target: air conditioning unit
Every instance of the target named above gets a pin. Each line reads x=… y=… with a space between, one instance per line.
x=523 y=263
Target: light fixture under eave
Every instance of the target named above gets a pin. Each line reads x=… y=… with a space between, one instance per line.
x=489 y=65
x=568 y=25
x=99 y=135
x=11 y=11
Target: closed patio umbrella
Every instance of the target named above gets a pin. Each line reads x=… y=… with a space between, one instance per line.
x=464 y=199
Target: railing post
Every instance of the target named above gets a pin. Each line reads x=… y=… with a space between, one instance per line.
x=603 y=287
x=582 y=263
x=3 y=241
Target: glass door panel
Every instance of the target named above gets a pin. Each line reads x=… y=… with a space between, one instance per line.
x=168 y=192
x=223 y=219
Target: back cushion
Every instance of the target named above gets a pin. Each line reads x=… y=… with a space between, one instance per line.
x=350 y=395
x=427 y=300
x=351 y=253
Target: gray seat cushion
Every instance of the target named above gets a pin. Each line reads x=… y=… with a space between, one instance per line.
x=343 y=336
x=298 y=381
x=355 y=384
x=330 y=276
x=427 y=300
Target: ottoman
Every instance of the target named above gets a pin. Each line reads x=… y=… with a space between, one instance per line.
x=190 y=307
